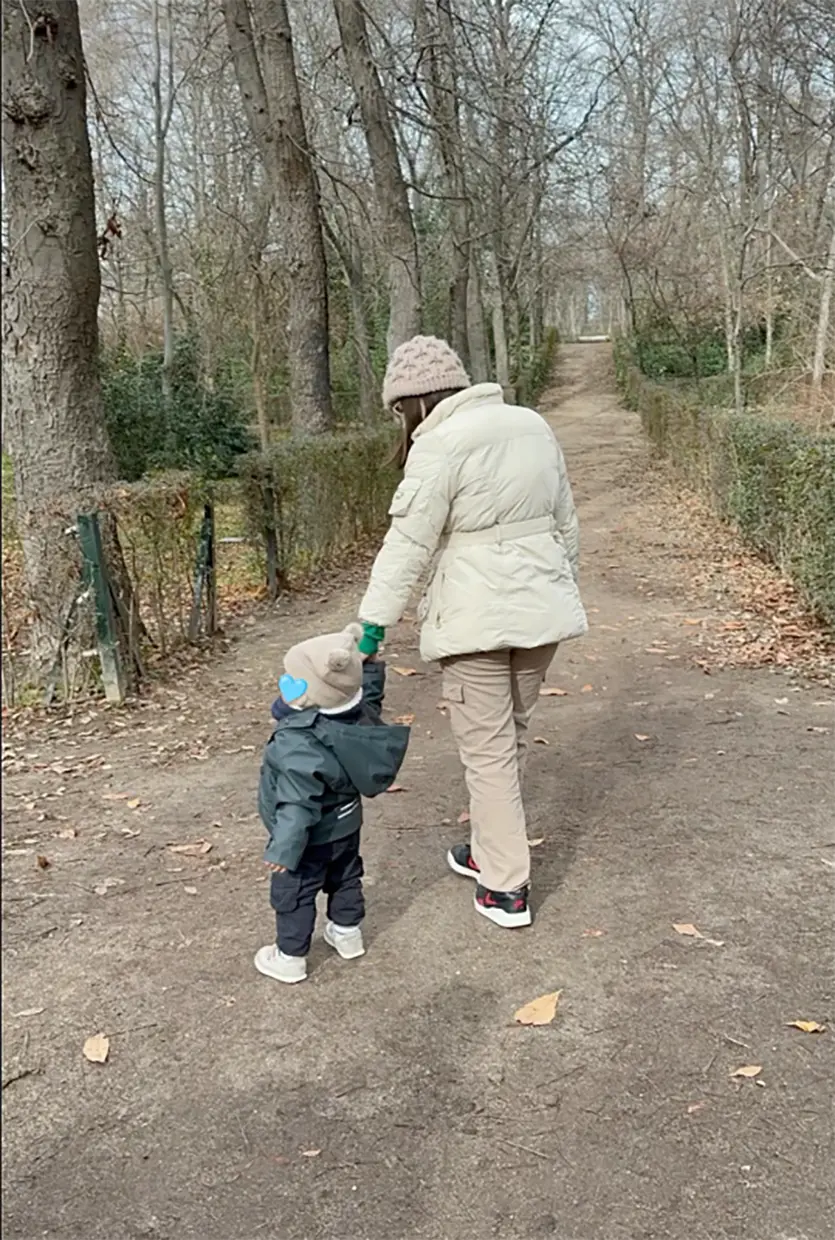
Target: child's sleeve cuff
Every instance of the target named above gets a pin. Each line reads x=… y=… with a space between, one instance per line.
x=372 y=637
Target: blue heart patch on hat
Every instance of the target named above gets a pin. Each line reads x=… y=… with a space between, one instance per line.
x=291 y=689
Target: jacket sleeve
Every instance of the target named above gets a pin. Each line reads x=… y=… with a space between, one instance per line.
x=565 y=515
x=297 y=807
x=418 y=515
x=374 y=686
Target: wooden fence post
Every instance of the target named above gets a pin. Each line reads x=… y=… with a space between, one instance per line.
x=204 y=575
x=107 y=638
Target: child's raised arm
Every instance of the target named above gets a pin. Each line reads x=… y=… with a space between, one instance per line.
x=374 y=686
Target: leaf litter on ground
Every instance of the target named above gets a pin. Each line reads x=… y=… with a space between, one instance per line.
x=689 y=931
x=97 y=1048
x=539 y=1011
x=807 y=1026
x=748 y=1072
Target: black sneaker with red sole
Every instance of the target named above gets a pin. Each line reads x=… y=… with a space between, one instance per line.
x=460 y=859
x=509 y=909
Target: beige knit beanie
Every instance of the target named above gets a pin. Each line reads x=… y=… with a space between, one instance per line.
x=324 y=671
x=422 y=365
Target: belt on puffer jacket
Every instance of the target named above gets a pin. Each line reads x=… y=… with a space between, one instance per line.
x=497 y=534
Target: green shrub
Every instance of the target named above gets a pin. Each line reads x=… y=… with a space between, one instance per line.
x=536 y=366
x=774 y=480
x=321 y=496
x=199 y=430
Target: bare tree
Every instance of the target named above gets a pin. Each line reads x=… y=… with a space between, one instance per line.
x=392 y=195
x=261 y=41
x=53 y=410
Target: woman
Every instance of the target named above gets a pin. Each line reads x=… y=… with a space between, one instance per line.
x=486 y=497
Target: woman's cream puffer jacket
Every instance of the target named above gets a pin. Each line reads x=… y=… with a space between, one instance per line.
x=485 y=492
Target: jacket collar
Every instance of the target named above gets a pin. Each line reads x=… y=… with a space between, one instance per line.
x=471 y=397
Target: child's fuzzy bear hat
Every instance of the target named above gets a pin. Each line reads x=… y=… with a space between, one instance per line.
x=329 y=668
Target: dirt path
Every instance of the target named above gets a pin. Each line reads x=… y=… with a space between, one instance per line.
x=394 y=1098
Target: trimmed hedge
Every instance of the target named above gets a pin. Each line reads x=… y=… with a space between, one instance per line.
x=319 y=496
x=773 y=479
x=536 y=367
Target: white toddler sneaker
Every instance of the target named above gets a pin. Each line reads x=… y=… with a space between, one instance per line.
x=273 y=963
x=346 y=940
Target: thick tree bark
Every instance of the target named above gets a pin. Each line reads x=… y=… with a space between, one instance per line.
x=392 y=196
x=267 y=78
x=53 y=412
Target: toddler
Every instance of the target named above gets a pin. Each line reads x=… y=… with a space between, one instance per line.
x=329 y=749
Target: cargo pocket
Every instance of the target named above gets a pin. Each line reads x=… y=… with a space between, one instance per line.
x=452 y=692
x=284 y=891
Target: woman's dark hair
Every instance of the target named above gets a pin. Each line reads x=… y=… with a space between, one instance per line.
x=411 y=411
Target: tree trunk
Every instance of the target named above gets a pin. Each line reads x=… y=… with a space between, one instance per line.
x=500 y=342
x=54 y=416
x=434 y=28
x=350 y=256
x=476 y=334
x=399 y=240
x=822 y=338
x=369 y=390
x=162 y=122
x=272 y=102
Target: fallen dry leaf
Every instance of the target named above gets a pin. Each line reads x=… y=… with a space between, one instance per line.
x=807 y=1026
x=405 y=720
x=464 y=817
x=97 y=1048
x=43 y=862
x=749 y=1071
x=28 y=1012
x=397 y=788
x=405 y=671
x=115 y=796
x=540 y=740
x=641 y=736
x=311 y=1153
x=696 y=1106
x=190 y=891
x=134 y=803
x=540 y=839
x=692 y=621
x=539 y=1011
x=690 y=931
x=198 y=849
x=587 y=689
x=547 y=691
x=593 y=934
x=69 y=833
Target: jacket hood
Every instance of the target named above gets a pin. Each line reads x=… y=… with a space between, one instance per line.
x=370 y=755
